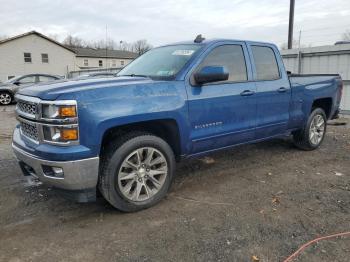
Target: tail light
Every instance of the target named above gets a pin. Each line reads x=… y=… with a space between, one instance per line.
x=341 y=85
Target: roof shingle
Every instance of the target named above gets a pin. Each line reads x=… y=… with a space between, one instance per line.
x=91 y=52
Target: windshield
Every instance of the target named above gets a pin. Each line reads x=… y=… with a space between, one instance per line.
x=161 y=63
x=13 y=79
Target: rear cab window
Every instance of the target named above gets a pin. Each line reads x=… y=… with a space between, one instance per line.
x=265 y=62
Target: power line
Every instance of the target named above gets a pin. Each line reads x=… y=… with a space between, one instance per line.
x=324 y=28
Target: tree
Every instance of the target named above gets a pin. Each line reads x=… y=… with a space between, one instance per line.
x=284 y=46
x=346 y=35
x=101 y=44
x=140 y=46
x=295 y=44
x=74 y=41
x=124 y=46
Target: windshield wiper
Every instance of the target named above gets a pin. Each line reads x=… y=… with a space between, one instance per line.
x=135 y=75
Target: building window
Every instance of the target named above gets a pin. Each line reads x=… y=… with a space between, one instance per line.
x=86 y=62
x=9 y=77
x=44 y=58
x=121 y=62
x=114 y=63
x=100 y=63
x=27 y=57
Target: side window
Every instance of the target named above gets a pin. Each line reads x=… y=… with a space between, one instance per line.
x=232 y=58
x=265 y=63
x=46 y=78
x=27 y=80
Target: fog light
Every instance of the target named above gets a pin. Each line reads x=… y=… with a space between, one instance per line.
x=60 y=134
x=53 y=171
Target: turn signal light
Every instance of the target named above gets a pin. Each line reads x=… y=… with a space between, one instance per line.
x=69 y=134
x=67 y=111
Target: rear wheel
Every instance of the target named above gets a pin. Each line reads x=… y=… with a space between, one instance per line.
x=136 y=172
x=312 y=135
x=5 y=98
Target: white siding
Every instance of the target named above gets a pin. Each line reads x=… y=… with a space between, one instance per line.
x=12 y=62
x=93 y=62
x=323 y=60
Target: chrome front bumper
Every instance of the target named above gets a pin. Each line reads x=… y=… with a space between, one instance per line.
x=77 y=175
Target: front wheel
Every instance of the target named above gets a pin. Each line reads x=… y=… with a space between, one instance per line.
x=5 y=98
x=312 y=135
x=137 y=171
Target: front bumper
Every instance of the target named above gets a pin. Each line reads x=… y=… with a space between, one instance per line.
x=78 y=175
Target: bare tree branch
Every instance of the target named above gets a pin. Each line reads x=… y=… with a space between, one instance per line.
x=346 y=35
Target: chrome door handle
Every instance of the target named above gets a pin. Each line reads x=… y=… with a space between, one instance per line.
x=247 y=93
x=282 y=90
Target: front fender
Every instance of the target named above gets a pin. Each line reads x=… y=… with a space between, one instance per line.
x=100 y=111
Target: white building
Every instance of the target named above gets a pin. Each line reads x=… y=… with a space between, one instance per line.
x=33 y=52
x=89 y=58
x=331 y=59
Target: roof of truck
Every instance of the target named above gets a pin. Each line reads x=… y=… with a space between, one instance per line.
x=216 y=40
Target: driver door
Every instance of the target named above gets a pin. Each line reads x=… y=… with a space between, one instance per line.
x=223 y=113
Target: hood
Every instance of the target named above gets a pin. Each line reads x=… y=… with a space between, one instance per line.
x=52 y=90
x=8 y=86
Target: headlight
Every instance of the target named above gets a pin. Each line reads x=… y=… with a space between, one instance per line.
x=58 y=111
x=60 y=122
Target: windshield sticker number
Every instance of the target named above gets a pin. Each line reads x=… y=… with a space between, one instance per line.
x=165 y=73
x=183 y=52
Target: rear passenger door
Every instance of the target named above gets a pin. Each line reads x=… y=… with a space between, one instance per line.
x=273 y=91
x=222 y=113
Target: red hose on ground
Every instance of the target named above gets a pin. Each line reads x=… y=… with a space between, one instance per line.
x=311 y=242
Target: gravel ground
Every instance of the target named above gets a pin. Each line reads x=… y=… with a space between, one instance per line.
x=262 y=200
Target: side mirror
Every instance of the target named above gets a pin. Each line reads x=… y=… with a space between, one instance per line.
x=211 y=74
x=17 y=83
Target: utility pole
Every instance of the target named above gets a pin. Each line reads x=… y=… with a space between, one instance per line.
x=106 y=47
x=299 y=54
x=291 y=24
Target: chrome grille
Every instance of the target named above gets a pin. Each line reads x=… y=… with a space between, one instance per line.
x=27 y=108
x=29 y=130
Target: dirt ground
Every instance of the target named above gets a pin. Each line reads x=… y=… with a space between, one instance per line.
x=262 y=200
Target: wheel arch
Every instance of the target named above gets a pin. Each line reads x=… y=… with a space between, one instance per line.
x=167 y=129
x=323 y=103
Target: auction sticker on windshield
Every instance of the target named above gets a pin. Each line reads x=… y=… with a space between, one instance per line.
x=183 y=52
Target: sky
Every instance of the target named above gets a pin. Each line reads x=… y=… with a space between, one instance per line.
x=164 y=21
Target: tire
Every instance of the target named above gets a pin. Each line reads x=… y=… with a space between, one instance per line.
x=125 y=182
x=5 y=98
x=311 y=136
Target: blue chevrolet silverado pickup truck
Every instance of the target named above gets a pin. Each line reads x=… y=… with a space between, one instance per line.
x=122 y=136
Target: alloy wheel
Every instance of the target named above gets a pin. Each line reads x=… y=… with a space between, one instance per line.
x=142 y=174
x=317 y=129
x=5 y=98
